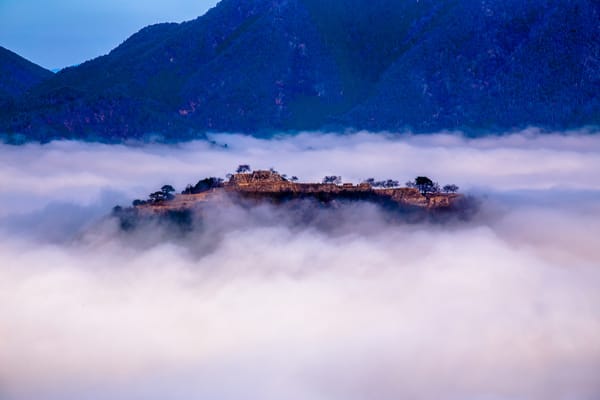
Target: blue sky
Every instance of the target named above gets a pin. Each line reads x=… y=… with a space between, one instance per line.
x=59 y=33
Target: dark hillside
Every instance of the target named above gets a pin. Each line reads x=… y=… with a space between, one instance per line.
x=269 y=65
x=17 y=75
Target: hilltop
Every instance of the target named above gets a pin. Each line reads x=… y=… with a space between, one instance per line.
x=250 y=189
x=273 y=187
x=259 y=66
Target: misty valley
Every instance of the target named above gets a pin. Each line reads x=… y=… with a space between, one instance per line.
x=295 y=288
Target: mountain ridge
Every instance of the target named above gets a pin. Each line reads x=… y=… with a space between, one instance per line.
x=17 y=74
x=288 y=65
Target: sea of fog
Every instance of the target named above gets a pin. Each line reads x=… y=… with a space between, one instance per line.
x=505 y=305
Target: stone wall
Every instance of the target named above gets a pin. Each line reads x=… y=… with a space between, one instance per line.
x=270 y=185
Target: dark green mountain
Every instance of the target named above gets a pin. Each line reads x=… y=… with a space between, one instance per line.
x=17 y=75
x=263 y=65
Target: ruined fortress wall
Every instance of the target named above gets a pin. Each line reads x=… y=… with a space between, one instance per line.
x=270 y=185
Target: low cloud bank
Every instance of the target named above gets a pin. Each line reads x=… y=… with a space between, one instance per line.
x=504 y=306
x=33 y=174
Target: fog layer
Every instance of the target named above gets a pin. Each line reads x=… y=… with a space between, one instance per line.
x=503 y=306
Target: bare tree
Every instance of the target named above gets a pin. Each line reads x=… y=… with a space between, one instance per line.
x=370 y=181
x=452 y=188
x=390 y=183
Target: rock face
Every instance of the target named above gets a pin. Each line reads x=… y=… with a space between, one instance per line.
x=269 y=186
x=285 y=65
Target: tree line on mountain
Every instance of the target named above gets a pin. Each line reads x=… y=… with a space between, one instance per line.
x=427 y=186
x=164 y=194
x=423 y=183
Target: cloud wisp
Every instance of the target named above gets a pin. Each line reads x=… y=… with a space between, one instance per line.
x=504 y=306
